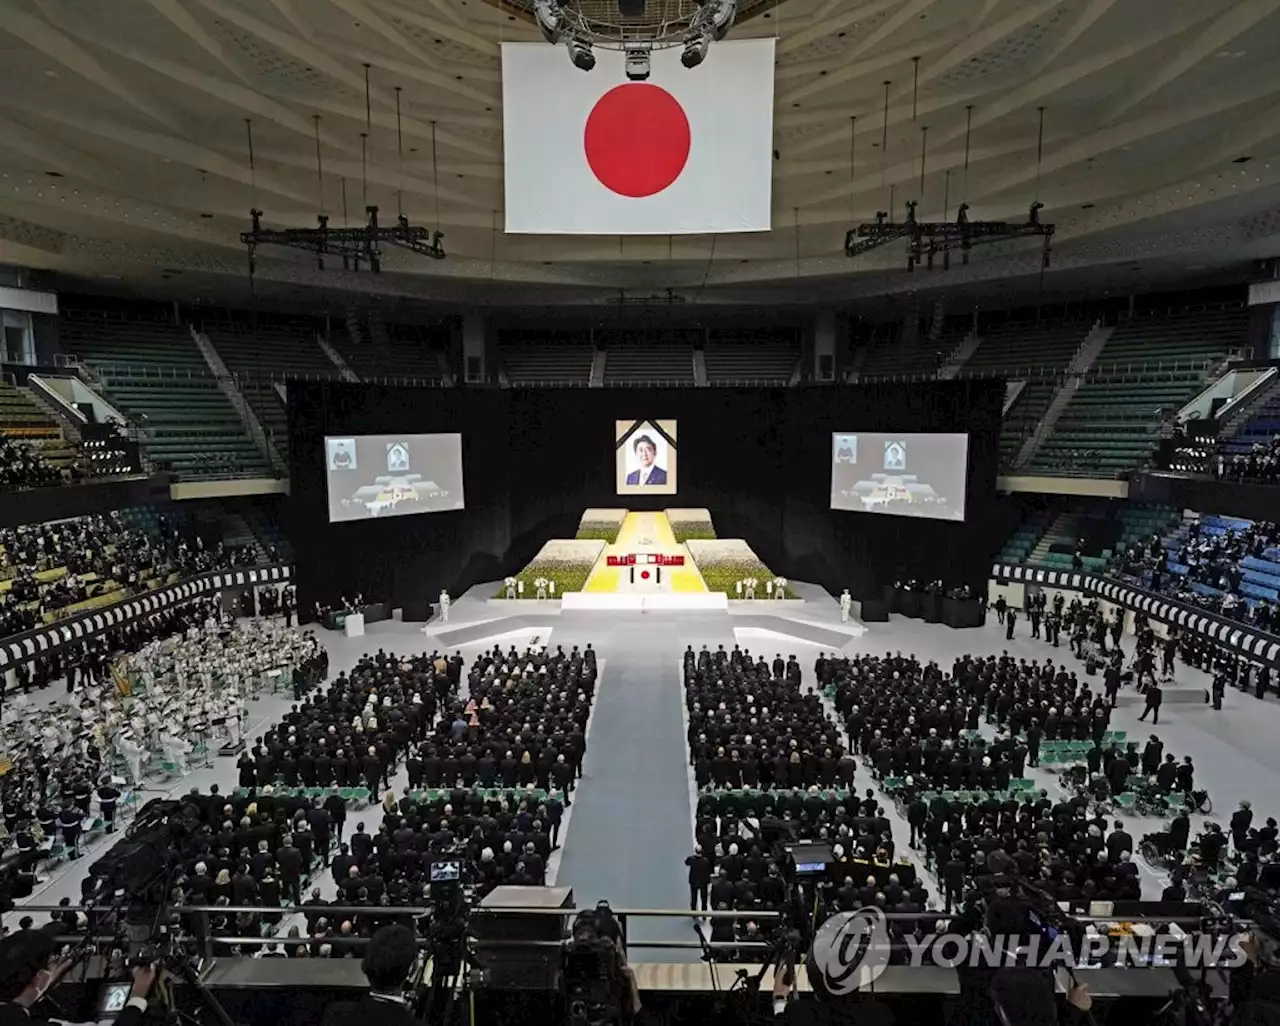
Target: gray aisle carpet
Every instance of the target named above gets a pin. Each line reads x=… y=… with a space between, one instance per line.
x=632 y=824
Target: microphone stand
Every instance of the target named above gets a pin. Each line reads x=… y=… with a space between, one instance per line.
x=708 y=956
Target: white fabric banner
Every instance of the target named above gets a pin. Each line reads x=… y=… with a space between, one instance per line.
x=689 y=151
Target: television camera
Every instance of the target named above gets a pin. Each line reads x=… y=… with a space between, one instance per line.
x=595 y=984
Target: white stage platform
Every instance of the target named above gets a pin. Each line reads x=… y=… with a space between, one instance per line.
x=644 y=600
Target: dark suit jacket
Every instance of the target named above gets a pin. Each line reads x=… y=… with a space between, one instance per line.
x=658 y=477
x=368 y=1010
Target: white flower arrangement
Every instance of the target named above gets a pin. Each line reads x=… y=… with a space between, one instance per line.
x=689 y=524
x=561 y=565
x=601 y=523
x=725 y=561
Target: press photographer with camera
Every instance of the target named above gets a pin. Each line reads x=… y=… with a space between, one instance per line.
x=28 y=971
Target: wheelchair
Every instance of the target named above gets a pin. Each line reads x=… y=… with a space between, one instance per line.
x=1158 y=851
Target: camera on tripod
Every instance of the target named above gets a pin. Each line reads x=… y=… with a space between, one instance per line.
x=592 y=980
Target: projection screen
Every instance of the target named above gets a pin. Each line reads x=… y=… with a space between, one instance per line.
x=908 y=475
x=375 y=476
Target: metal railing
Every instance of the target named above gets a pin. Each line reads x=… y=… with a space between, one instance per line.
x=921 y=924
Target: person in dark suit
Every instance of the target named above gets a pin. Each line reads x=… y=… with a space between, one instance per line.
x=650 y=473
x=388 y=958
x=27 y=971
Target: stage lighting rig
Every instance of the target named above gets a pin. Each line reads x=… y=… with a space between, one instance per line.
x=636 y=27
x=637 y=62
x=926 y=240
x=353 y=246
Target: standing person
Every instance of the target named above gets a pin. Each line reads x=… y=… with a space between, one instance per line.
x=1219 y=689
x=108 y=795
x=1010 y=618
x=1168 y=651
x=337 y=809
x=1034 y=734
x=1241 y=820
x=699 y=878
x=69 y=821
x=1154 y=697
x=1002 y=607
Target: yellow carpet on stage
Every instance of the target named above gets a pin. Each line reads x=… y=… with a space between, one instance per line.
x=650 y=531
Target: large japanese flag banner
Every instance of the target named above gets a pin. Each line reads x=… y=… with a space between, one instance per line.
x=689 y=151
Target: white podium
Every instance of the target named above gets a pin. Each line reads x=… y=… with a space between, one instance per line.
x=354 y=625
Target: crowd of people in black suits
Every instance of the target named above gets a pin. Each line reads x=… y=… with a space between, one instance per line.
x=1060 y=847
x=95 y=551
x=1212 y=559
x=752 y=726
x=521 y=726
x=1260 y=465
x=24 y=466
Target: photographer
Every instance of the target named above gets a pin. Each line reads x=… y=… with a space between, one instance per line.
x=27 y=971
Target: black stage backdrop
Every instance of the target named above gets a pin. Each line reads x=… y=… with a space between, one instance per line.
x=758 y=458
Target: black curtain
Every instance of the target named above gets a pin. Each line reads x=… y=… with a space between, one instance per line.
x=758 y=458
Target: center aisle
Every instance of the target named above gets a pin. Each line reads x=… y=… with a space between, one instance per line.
x=632 y=824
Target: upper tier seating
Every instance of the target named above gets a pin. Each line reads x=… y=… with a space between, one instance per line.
x=1026 y=351
x=645 y=359
x=22 y=420
x=751 y=356
x=1225 y=564
x=1036 y=354
x=1147 y=369
x=895 y=357
x=263 y=357
x=1262 y=427
x=1094 y=530
x=532 y=357
x=393 y=352
x=153 y=369
x=59 y=568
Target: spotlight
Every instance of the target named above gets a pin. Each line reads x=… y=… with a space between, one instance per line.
x=549 y=20
x=581 y=55
x=637 y=63
x=695 y=50
x=723 y=13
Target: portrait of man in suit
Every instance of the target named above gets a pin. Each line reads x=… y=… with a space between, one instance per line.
x=648 y=473
x=646 y=457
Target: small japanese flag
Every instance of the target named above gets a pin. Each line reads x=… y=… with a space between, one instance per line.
x=689 y=151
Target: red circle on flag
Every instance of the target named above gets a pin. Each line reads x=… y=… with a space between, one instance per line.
x=637 y=139
x=644 y=575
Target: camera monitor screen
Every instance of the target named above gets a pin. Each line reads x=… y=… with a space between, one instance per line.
x=374 y=476
x=444 y=872
x=113 y=999
x=906 y=475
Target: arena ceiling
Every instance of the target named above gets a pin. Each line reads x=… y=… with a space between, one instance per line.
x=123 y=142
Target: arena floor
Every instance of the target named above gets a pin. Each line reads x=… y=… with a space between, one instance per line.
x=631 y=823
